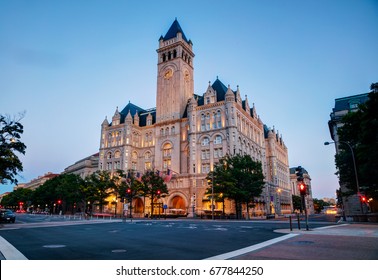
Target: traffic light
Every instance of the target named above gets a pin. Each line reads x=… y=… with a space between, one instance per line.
x=128 y=193
x=299 y=173
x=302 y=189
x=158 y=192
x=59 y=201
x=363 y=199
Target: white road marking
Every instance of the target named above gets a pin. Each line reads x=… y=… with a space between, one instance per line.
x=9 y=251
x=252 y=248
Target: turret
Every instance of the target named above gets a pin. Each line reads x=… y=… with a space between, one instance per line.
x=116 y=120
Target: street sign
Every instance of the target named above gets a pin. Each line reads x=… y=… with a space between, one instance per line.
x=165 y=206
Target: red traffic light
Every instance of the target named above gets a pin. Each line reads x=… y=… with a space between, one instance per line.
x=158 y=192
x=302 y=189
x=128 y=191
x=363 y=198
x=59 y=201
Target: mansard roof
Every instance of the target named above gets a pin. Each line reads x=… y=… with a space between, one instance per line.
x=345 y=103
x=173 y=30
x=142 y=113
x=220 y=88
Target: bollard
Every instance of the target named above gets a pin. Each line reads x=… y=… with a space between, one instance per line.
x=299 y=221
x=291 y=224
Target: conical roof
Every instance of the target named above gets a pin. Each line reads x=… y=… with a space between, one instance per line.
x=173 y=30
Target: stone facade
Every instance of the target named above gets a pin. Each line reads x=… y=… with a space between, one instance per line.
x=295 y=189
x=84 y=167
x=189 y=133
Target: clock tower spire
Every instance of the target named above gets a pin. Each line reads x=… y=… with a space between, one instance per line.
x=175 y=85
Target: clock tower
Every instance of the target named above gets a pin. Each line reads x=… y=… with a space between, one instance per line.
x=175 y=74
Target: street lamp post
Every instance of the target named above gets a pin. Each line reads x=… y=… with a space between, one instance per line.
x=354 y=165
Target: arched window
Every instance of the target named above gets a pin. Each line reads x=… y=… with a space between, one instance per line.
x=172 y=130
x=117 y=154
x=134 y=155
x=205 y=141
x=167 y=152
x=109 y=155
x=218 y=139
x=147 y=155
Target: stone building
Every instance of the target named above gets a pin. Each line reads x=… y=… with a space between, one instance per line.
x=35 y=183
x=343 y=106
x=307 y=182
x=84 y=167
x=188 y=133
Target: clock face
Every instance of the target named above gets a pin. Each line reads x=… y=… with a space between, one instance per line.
x=168 y=73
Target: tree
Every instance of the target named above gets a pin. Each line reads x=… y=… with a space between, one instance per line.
x=10 y=144
x=69 y=190
x=153 y=187
x=297 y=202
x=18 y=196
x=360 y=130
x=127 y=186
x=238 y=178
x=319 y=205
x=45 y=195
x=99 y=186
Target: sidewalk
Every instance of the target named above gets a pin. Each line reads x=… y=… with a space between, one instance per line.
x=338 y=242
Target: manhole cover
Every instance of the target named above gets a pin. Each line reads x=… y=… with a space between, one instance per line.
x=119 y=251
x=54 y=246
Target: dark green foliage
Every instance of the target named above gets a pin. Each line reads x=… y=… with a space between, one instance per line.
x=98 y=187
x=153 y=186
x=238 y=178
x=20 y=195
x=10 y=144
x=297 y=202
x=360 y=130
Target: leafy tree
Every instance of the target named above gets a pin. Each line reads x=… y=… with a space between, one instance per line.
x=46 y=195
x=127 y=186
x=238 y=178
x=69 y=189
x=360 y=130
x=319 y=205
x=99 y=186
x=297 y=202
x=10 y=144
x=153 y=186
x=20 y=195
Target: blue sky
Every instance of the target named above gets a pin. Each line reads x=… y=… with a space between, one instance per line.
x=69 y=64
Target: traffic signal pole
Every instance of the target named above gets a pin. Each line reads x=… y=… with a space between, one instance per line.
x=302 y=190
x=305 y=209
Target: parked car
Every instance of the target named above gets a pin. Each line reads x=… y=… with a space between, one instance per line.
x=7 y=215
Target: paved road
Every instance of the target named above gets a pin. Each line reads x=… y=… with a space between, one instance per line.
x=151 y=240
x=57 y=238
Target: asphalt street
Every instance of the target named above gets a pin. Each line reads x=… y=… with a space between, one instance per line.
x=58 y=238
